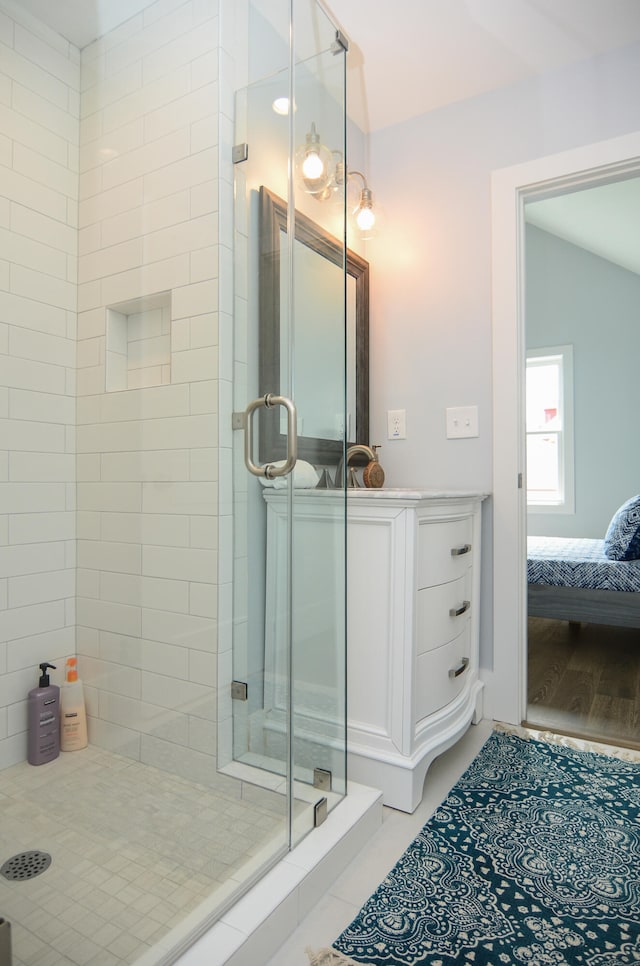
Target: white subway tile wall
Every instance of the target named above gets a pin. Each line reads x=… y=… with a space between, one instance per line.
x=39 y=143
x=109 y=211
x=147 y=333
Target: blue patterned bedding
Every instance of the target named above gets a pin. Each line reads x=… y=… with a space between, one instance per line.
x=573 y=562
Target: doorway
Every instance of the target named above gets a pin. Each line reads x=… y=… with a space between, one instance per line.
x=618 y=158
x=582 y=291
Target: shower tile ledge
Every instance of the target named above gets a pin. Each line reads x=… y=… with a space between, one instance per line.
x=260 y=922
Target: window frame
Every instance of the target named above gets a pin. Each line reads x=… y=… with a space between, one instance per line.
x=563 y=354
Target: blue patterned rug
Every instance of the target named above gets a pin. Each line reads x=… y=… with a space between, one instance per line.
x=532 y=860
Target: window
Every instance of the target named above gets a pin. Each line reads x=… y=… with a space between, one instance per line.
x=550 y=429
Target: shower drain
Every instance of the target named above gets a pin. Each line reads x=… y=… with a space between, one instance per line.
x=25 y=865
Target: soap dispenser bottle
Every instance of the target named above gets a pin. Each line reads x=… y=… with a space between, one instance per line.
x=43 y=709
x=73 y=716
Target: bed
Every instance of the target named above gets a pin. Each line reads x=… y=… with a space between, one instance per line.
x=576 y=580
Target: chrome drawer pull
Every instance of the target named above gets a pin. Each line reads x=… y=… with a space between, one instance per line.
x=459 y=551
x=456 y=611
x=455 y=672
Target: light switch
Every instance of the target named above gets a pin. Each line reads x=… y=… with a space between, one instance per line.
x=462 y=421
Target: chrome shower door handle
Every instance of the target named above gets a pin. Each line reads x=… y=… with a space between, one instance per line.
x=269 y=471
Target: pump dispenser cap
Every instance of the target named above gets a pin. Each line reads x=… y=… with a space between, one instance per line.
x=44 y=677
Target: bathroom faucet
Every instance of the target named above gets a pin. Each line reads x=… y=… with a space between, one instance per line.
x=343 y=465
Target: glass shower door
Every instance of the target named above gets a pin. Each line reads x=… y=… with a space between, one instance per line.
x=318 y=379
x=289 y=601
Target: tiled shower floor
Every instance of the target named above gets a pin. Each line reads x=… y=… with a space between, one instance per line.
x=134 y=850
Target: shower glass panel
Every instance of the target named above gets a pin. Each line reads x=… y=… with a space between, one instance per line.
x=289 y=645
x=119 y=427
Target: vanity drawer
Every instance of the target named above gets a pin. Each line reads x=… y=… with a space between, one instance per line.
x=442 y=612
x=444 y=551
x=442 y=674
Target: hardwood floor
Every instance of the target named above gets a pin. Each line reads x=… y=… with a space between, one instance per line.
x=584 y=680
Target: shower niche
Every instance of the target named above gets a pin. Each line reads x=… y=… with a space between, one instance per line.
x=138 y=343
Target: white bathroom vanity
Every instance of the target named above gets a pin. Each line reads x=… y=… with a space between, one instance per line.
x=413 y=579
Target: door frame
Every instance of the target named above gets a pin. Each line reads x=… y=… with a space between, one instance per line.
x=617 y=158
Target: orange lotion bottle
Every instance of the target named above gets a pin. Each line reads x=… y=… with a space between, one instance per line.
x=73 y=716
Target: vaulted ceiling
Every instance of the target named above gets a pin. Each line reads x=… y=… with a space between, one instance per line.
x=408 y=57
x=412 y=56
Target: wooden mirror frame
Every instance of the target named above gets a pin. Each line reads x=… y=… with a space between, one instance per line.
x=273 y=221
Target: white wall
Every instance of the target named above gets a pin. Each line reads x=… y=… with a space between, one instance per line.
x=39 y=103
x=576 y=298
x=431 y=293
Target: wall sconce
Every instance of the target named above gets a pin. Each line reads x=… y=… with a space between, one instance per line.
x=321 y=177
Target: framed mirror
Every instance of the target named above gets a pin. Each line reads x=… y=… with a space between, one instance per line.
x=318 y=260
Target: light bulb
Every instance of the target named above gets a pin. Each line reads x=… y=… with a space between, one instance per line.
x=366 y=218
x=365 y=215
x=281 y=106
x=313 y=166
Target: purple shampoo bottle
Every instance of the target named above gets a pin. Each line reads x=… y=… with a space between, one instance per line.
x=44 y=720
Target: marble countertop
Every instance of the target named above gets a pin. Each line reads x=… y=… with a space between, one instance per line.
x=400 y=494
x=411 y=493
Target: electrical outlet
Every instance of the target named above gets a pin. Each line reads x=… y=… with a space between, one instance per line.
x=396 y=424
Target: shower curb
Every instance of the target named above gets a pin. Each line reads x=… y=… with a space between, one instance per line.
x=261 y=921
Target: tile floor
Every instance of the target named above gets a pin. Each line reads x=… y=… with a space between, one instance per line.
x=118 y=883
x=345 y=897
x=134 y=850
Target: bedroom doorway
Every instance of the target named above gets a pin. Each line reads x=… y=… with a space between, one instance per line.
x=562 y=174
x=583 y=680
x=581 y=295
